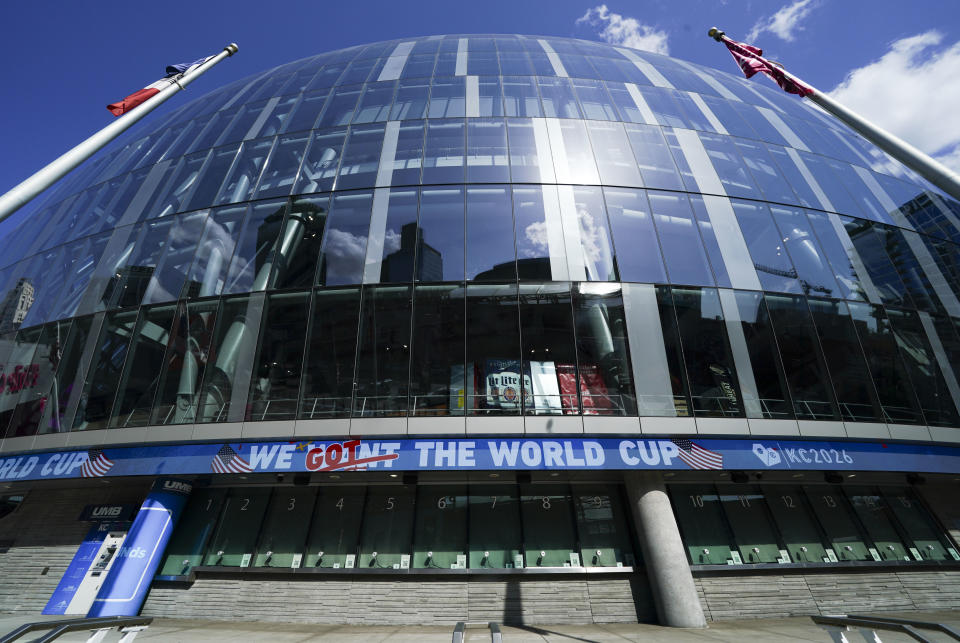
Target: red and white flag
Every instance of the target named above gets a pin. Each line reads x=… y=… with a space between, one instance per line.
x=140 y=96
x=696 y=457
x=751 y=62
x=96 y=465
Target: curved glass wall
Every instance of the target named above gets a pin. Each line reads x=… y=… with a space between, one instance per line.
x=484 y=226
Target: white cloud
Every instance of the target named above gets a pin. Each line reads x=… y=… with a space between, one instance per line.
x=784 y=23
x=912 y=92
x=618 y=29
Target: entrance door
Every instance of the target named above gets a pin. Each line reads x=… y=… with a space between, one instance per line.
x=97 y=574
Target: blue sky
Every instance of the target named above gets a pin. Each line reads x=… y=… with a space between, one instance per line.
x=896 y=62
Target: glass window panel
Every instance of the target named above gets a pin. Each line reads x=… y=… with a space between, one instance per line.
x=580 y=164
x=766 y=247
x=626 y=106
x=437 y=378
x=387 y=527
x=897 y=399
x=848 y=368
x=606 y=68
x=706 y=351
x=208 y=270
x=448 y=97
x=594 y=100
x=319 y=170
x=491 y=96
x=605 y=540
x=682 y=249
x=274 y=390
x=768 y=371
x=186 y=358
x=68 y=375
x=357 y=72
x=597 y=251
x=419 y=66
x=282 y=168
x=236 y=534
x=327 y=76
x=241 y=123
x=665 y=107
x=170 y=275
x=868 y=240
x=745 y=508
x=345 y=239
x=331 y=347
x=796 y=524
x=765 y=172
x=284 y=530
x=412 y=100
x=138 y=385
x=540 y=255
x=243 y=176
x=226 y=380
x=813 y=270
x=802 y=357
x=490 y=252
x=638 y=258
x=361 y=157
x=103 y=375
x=339 y=108
x=549 y=535
x=731 y=119
x=408 y=157
x=559 y=101
x=446 y=63
x=174 y=194
x=613 y=155
x=296 y=261
x=837 y=256
x=444 y=152
x=39 y=391
x=209 y=130
x=256 y=248
x=440 y=534
x=549 y=354
x=701 y=522
x=521 y=97
x=653 y=157
x=653 y=404
x=710 y=242
x=22 y=374
x=577 y=66
x=189 y=539
x=525 y=159
x=605 y=373
x=482 y=63
x=335 y=534
x=493 y=349
x=441 y=227
x=827 y=174
x=515 y=63
x=871 y=509
x=487 y=151
x=836 y=519
x=924 y=370
x=495 y=536
x=919 y=525
x=132 y=276
x=401 y=242
x=383 y=353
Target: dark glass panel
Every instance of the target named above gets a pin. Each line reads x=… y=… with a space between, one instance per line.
x=319 y=170
x=836 y=252
x=802 y=357
x=408 y=157
x=603 y=353
x=444 y=160
x=440 y=531
x=768 y=372
x=257 y=246
x=283 y=167
x=490 y=252
x=276 y=382
x=383 y=353
x=540 y=251
x=441 y=235
x=767 y=248
x=39 y=390
x=873 y=252
x=746 y=511
x=68 y=377
x=170 y=274
x=487 y=151
x=296 y=261
x=495 y=537
x=345 y=239
x=138 y=385
x=234 y=541
x=493 y=350
x=21 y=375
x=674 y=354
x=701 y=521
x=335 y=533
x=132 y=276
x=244 y=174
x=682 y=249
x=387 y=528
x=796 y=524
x=813 y=270
x=437 y=378
x=549 y=353
x=284 y=530
x=549 y=533
x=653 y=156
x=361 y=157
x=189 y=539
x=329 y=359
x=872 y=511
x=831 y=509
x=103 y=376
x=208 y=272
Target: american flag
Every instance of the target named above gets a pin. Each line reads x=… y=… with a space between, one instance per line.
x=696 y=457
x=229 y=461
x=750 y=60
x=96 y=465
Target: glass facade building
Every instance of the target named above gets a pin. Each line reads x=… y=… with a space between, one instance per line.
x=493 y=235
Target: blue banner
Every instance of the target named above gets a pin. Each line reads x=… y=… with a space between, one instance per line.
x=480 y=454
x=126 y=586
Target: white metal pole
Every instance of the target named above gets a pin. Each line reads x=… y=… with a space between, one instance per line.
x=927 y=167
x=44 y=178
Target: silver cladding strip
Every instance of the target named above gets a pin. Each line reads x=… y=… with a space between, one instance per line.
x=717 y=86
x=733 y=247
x=741 y=354
x=648 y=354
x=388 y=154
x=707 y=113
x=648 y=70
x=930 y=268
x=822 y=197
x=869 y=289
x=375 y=240
x=541 y=138
x=893 y=212
x=641 y=103
x=785 y=131
x=571 y=234
x=558 y=151
x=265 y=113
x=949 y=376
x=461 y=57
x=699 y=161
x=395 y=63
x=473 y=97
x=558 y=67
x=555 y=242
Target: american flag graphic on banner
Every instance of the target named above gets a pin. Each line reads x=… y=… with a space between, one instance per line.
x=96 y=465
x=696 y=457
x=229 y=461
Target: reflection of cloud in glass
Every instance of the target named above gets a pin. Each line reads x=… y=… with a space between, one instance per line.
x=536 y=234
x=344 y=255
x=596 y=246
x=391 y=242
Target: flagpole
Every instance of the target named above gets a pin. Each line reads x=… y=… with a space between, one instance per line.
x=23 y=193
x=927 y=167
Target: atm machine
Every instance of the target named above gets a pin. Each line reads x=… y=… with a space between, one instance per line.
x=101 y=562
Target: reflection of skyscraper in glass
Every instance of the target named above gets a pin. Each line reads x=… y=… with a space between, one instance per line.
x=398 y=265
x=16 y=305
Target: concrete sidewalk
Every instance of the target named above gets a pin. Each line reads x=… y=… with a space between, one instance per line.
x=779 y=630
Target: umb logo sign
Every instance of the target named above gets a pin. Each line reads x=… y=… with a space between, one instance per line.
x=768 y=455
x=177 y=486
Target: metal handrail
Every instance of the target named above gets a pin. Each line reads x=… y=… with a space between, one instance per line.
x=460 y=628
x=952 y=632
x=61 y=627
x=871 y=624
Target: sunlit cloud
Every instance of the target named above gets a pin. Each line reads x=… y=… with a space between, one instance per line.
x=618 y=29
x=784 y=23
